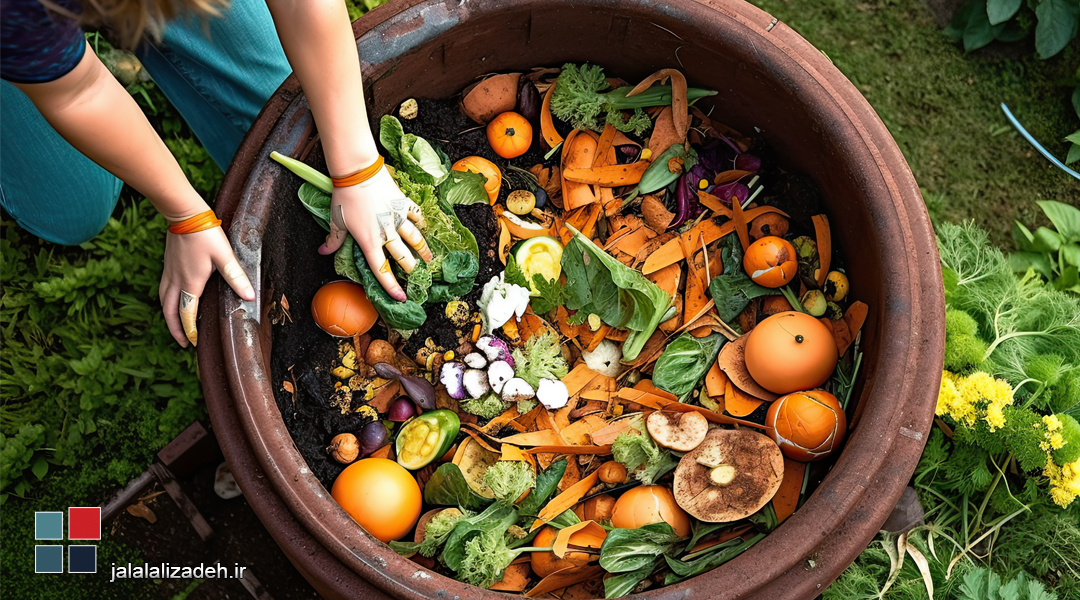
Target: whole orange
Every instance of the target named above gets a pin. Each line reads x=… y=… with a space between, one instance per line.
x=648 y=504
x=807 y=426
x=510 y=135
x=380 y=495
x=342 y=308
x=771 y=261
x=789 y=352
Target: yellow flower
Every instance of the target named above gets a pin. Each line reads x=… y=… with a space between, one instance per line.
x=995 y=418
x=1064 y=481
x=1052 y=422
x=1056 y=440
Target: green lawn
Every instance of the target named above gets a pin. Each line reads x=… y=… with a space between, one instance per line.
x=93 y=385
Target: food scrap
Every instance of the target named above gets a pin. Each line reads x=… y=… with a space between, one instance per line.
x=622 y=358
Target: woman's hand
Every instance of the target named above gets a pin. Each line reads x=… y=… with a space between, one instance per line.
x=190 y=260
x=384 y=224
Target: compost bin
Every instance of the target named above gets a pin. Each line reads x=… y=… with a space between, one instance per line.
x=768 y=77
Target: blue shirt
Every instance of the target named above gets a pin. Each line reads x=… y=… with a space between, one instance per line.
x=37 y=45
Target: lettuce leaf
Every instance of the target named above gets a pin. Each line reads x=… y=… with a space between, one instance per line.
x=684 y=362
x=410 y=153
x=463 y=187
x=622 y=297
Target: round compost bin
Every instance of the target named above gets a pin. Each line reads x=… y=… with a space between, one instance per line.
x=767 y=77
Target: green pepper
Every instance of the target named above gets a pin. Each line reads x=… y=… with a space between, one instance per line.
x=424 y=438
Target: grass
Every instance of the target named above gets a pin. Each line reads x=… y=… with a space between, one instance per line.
x=93 y=385
x=942 y=106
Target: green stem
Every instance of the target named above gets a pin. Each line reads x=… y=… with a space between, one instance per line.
x=306 y=172
x=792 y=299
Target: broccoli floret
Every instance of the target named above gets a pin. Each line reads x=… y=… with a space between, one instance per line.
x=634 y=450
x=541 y=358
x=963 y=348
x=487 y=407
x=508 y=480
x=1070 y=430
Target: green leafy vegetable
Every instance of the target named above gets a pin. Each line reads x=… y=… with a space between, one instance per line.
x=635 y=449
x=464 y=187
x=540 y=358
x=685 y=361
x=411 y=154
x=963 y=348
x=508 y=479
x=552 y=295
x=634 y=554
x=546 y=483
x=514 y=274
x=708 y=559
x=733 y=289
x=436 y=532
x=1053 y=254
x=487 y=407
x=579 y=100
x=622 y=297
x=447 y=487
x=981 y=583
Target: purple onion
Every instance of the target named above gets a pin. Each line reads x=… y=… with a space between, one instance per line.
x=731 y=190
x=402 y=409
x=372 y=437
x=420 y=390
x=627 y=153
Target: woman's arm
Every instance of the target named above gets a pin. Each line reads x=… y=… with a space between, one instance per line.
x=96 y=115
x=317 y=38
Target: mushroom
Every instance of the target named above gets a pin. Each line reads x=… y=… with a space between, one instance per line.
x=681 y=432
x=499 y=372
x=475 y=360
x=729 y=476
x=453 y=377
x=604 y=359
x=476 y=383
x=552 y=394
x=516 y=390
x=495 y=349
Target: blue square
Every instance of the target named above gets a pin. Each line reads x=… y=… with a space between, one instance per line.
x=82 y=559
x=48 y=526
x=49 y=559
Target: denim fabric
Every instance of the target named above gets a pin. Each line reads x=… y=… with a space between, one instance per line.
x=217 y=74
x=46 y=185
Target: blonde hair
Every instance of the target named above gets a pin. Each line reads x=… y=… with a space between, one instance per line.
x=128 y=20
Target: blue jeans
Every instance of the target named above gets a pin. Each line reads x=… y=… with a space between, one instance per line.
x=218 y=76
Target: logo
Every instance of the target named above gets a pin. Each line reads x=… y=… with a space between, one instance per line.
x=84 y=523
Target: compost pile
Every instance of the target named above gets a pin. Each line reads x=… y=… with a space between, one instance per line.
x=624 y=365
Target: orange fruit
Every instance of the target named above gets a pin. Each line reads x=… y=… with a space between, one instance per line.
x=789 y=352
x=380 y=495
x=342 y=308
x=650 y=504
x=807 y=426
x=771 y=261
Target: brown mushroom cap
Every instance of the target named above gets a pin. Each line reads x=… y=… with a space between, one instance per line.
x=681 y=432
x=752 y=460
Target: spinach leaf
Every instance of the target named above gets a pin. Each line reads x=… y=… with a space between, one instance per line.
x=447 y=487
x=566 y=519
x=546 y=483
x=631 y=549
x=685 y=361
x=617 y=586
x=411 y=154
x=405 y=315
x=459 y=271
x=714 y=557
x=733 y=289
x=620 y=296
x=463 y=187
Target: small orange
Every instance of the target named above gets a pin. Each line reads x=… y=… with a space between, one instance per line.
x=648 y=504
x=510 y=135
x=380 y=495
x=771 y=261
x=807 y=426
x=342 y=308
x=483 y=166
x=790 y=352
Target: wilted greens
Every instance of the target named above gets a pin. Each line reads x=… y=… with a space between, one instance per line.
x=685 y=361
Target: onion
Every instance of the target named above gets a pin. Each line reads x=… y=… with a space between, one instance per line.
x=401 y=410
x=420 y=390
x=387 y=371
x=372 y=437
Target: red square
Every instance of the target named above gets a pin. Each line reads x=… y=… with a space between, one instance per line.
x=84 y=523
